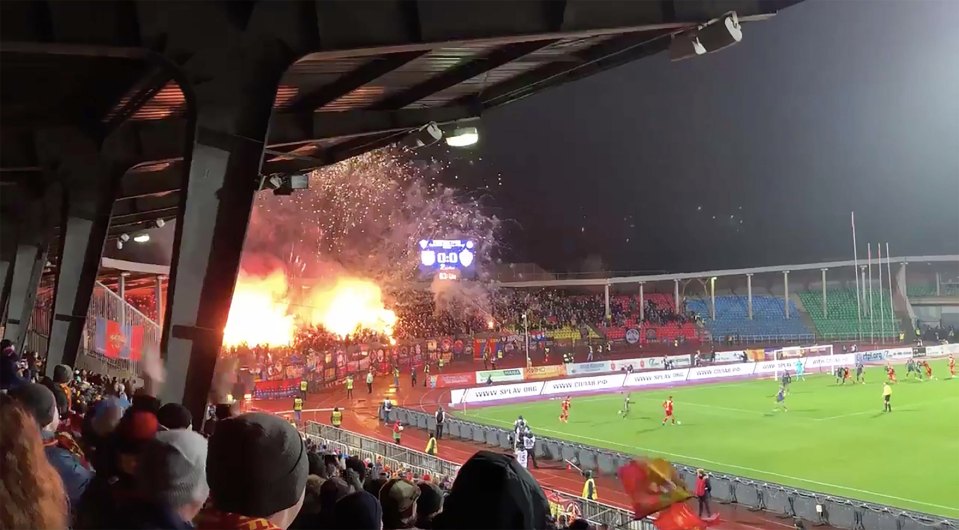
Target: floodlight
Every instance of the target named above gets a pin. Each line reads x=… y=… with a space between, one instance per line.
x=141 y=238
x=721 y=33
x=463 y=137
x=684 y=46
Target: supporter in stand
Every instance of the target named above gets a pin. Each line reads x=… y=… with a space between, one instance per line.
x=10 y=371
x=171 y=480
x=428 y=505
x=398 y=498
x=62 y=451
x=31 y=492
x=257 y=469
x=358 y=511
x=309 y=517
x=175 y=416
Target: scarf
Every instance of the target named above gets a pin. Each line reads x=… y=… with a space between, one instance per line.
x=212 y=519
x=65 y=441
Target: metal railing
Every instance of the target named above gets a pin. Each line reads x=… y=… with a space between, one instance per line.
x=784 y=501
x=108 y=305
x=398 y=457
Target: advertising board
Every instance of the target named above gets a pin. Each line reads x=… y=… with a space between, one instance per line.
x=451 y=380
x=899 y=353
x=583 y=384
x=549 y=371
x=497 y=393
x=769 y=367
x=499 y=376
x=729 y=356
x=829 y=361
x=663 y=377
x=715 y=372
x=588 y=368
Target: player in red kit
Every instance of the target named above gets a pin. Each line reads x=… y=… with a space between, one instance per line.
x=668 y=410
x=564 y=414
x=890 y=373
x=928 y=367
x=952 y=366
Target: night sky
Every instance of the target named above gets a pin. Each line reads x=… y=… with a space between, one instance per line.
x=751 y=156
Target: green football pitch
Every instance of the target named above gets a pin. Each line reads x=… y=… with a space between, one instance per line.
x=833 y=439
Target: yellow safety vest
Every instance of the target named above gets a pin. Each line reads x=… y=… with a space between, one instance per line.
x=431 y=447
x=589 y=490
x=297 y=404
x=349 y=383
x=303 y=386
x=337 y=418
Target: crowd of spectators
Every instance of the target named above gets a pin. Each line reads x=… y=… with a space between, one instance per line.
x=79 y=452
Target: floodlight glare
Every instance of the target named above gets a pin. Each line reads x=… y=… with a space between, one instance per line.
x=463 y=137
x=141 y=238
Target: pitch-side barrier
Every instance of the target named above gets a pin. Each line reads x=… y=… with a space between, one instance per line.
x=786 y=502
x=623 y=380
x=396 y=457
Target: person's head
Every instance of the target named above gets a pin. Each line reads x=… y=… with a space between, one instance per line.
x=700 y=472
x=429 y=504
x=579 y=524
x=333 y=490
x=358 y=511
x=62 y=373
x=511 y=497
x=357 y=465
x=398 y=497
x=175 y=416
x=40 y=403
x=373 y=486
x=311 y=499
x=172 y=472
x=257 y=467
x=31 y=492
x=135 y=430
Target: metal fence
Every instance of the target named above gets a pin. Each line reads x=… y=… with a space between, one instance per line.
x=399 y=457
x=108 y=305
x=784 y=501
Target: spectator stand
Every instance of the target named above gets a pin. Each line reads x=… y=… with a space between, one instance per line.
x=418 y=463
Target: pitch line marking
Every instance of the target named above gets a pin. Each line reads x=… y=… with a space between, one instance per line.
x=734 y=466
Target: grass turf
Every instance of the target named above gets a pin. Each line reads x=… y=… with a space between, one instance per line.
x=834 y=438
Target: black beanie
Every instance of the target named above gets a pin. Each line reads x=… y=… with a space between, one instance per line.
x=175 y=416
x=256 y=465
x=62 y=373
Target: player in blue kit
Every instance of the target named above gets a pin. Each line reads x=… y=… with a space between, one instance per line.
x=781 y=399
x=800 y=370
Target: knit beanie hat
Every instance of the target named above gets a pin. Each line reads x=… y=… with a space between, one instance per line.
x=172 y=470
x=62 y=373
x=36 y=399
x=174 y=416
x=256 y=466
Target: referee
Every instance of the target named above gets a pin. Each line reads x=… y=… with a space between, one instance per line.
x=886 y=396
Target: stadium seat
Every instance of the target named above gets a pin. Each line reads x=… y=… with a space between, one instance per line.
x=769 y=317
x=842 y=321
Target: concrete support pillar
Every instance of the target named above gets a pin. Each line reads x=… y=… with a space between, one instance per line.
x=642 y=303
x=606 y=301
x=8 y=255
x=938 y=284
x=676 y=295
x=234 y=85
x=786 y=292
x=749 y=295
x=28 y=266
x=90 y=184
x=825 y=310
x=122 y=292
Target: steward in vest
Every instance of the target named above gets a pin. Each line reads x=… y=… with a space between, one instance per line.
x=303 y=386
x=431 y=447
x=298 y=409
x=589 y=487
x=336 y=419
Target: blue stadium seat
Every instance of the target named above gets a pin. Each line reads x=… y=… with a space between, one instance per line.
x=732 y=317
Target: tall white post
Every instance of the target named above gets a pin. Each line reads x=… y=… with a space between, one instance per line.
x=825 y=310
x=872 y=324
x=938 y=284
x=882 y=306
x=642 y=303
x=786 y=292
x=892 y=308
x=122 y=291
x=606 y=293
x=712 y=298
x=676 y=295
x=749 y=295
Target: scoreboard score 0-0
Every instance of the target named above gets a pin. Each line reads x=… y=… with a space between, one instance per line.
x=447 y=259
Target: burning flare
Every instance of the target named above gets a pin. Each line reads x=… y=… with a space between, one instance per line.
x=264 y=312
x=259 y=312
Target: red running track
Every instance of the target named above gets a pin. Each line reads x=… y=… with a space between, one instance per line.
x=360 y=416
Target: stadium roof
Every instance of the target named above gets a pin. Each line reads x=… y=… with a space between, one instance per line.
x=371 y=72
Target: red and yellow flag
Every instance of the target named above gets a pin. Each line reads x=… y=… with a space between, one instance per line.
x=678 y=517
x=652 y=485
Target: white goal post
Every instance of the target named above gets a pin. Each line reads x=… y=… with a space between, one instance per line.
x=794 y=353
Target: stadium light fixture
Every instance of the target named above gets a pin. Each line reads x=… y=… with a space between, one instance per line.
x=141 y=238
x=463 y=137
x=721 y=33
x=684 y=46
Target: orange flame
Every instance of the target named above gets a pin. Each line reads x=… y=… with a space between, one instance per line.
x=263 y=311
x=259 y=312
